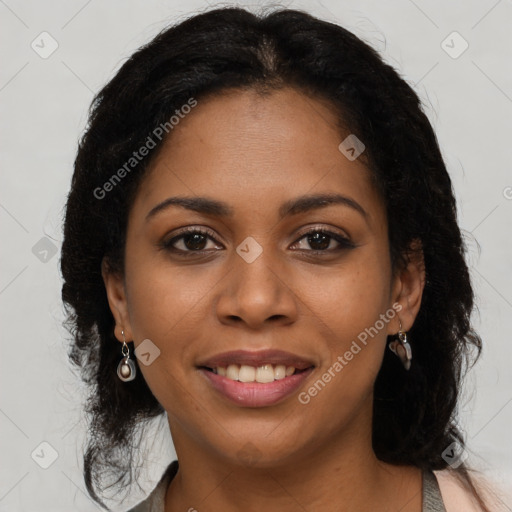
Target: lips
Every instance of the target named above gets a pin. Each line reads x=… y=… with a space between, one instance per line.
x=256 y=379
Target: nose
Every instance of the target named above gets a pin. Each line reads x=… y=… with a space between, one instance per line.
x=257 y=294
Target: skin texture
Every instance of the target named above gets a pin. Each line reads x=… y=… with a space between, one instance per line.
x=254 y=153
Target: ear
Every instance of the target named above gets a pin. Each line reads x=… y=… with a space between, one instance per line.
x=408 y=285
x=116 y=294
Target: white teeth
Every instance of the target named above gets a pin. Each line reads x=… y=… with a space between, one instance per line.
x=263 y=374
x=233 y=371
x=280 y=372
x=247 y=373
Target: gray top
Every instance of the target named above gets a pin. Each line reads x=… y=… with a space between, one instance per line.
x=432 y=499
x=155 y=502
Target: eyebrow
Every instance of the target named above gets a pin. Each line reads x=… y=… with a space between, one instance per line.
x=292 y=207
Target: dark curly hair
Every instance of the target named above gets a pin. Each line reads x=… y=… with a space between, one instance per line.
x=414 y=412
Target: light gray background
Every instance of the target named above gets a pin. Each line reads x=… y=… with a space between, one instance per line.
x=43 y=111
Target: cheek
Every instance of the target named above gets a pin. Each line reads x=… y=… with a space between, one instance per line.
x=163 y=306
x=350 y=297
x=353 y=303
x=167 y=305
x=163 y=299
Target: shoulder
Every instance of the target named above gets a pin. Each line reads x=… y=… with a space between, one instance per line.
x=457 y=496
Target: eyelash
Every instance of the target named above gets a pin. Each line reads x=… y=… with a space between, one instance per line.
x=344 y=242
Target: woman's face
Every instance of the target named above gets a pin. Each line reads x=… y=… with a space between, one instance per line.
x=256 y=291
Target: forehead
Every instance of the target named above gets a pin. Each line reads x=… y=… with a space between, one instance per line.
x=258 y=150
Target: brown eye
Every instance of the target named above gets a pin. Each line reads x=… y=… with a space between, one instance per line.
x=191 y=240
x=195 y=241
x=321 y=240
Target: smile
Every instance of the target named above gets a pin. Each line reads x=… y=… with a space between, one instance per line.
x=256 y=379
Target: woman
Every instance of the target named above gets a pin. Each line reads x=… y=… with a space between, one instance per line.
x=259 y=209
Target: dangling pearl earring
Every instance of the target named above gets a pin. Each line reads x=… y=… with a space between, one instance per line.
x=402 y=348
x=126 y=369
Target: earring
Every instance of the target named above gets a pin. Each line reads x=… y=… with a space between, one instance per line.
x=126 y=369
x=402 y=348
